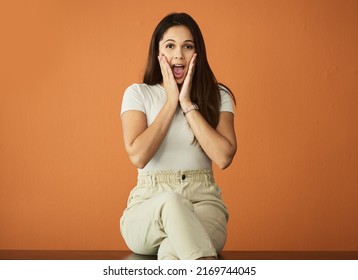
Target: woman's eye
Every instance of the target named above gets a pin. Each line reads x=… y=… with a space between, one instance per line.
x=189 y=47
x=169 y=46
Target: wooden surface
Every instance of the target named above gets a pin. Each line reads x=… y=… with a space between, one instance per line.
x=127 y=255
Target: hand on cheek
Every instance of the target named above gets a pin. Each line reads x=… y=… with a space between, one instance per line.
x=186 y=87
x=169 y=83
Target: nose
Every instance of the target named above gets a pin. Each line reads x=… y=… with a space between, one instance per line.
x=178 y=54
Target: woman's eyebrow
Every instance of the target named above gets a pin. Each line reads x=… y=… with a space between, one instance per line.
x=185 y=41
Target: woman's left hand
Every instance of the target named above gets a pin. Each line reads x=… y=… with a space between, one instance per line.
x=184 y=96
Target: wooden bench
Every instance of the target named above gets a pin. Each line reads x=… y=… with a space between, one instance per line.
x=127 y=255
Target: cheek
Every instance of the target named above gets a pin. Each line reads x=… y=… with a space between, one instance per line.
x=192 y=54
x=188 y=57
x=167 y=55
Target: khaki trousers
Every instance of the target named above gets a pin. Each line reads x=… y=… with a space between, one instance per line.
x=175 y=214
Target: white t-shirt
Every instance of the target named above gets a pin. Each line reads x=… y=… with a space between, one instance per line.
x=176 y=151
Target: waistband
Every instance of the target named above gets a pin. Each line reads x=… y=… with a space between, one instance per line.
x=179 y=176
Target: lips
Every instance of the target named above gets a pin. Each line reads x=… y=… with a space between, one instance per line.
x=178 y=71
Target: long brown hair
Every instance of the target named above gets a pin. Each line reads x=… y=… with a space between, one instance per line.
x=205 y=90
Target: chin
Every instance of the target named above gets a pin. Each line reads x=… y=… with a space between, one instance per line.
x=180 y=81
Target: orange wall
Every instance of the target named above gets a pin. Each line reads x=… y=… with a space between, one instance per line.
x=293 y=65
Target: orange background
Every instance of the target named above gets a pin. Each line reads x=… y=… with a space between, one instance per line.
x=293 y=66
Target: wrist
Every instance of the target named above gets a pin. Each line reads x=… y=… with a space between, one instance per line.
x=192 y=107
x=185 y=104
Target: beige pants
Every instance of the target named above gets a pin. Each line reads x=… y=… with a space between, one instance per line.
x=177 y=215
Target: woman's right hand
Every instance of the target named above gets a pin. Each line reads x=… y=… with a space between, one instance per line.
x=169 y=83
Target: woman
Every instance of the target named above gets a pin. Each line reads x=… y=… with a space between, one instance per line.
x=175 y=125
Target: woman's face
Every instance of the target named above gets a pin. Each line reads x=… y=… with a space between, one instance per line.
x=178 y=47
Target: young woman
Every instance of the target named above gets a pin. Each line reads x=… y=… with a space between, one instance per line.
x=175 y=125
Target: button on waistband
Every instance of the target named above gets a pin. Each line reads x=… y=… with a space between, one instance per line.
x=183 y=177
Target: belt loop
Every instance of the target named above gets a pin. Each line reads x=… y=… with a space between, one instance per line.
x=153 y=179
x=206 y=180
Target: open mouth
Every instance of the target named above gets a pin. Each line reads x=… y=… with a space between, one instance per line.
x=178 y=71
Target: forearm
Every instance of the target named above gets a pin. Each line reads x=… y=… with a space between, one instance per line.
x=219 y=149
x=145 y=145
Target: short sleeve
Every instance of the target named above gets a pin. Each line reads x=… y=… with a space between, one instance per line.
x=133 y=99
x=226 y=101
